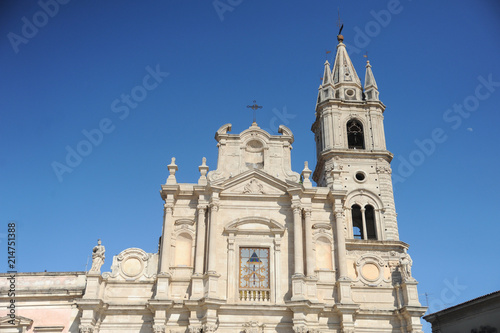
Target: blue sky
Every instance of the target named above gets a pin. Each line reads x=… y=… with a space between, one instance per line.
x=435 y=62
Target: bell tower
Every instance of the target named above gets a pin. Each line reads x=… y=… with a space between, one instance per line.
x=354 y=164
x=350 y=139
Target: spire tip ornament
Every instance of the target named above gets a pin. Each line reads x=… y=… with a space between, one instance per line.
x=254 y=107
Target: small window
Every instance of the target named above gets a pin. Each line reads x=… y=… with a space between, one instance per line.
x=355 y=135
x=360 y=176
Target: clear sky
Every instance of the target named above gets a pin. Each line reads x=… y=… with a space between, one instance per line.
x=67 y=73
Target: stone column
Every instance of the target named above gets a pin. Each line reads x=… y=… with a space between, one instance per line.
x=363 y=217
x=212 y=267
x=297 y=240
x=166 y=239
x=200 y=240
x=310 y=259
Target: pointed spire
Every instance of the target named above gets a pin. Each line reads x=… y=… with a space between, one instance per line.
x=345 y=79
x=327 y=74
x=371 y=88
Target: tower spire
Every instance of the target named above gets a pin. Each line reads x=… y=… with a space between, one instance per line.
x=345 y=79
x=371 y=88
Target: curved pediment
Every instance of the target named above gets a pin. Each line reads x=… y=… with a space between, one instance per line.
x=254 y=225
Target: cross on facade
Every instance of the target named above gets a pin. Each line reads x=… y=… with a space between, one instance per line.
x=254 y=107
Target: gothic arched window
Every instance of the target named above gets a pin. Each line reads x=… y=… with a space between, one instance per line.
x=355 y=135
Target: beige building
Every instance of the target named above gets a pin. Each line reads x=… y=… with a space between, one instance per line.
x=479 y=315
x=253 y=246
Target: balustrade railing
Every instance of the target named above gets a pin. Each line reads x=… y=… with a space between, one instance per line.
x=254 y=295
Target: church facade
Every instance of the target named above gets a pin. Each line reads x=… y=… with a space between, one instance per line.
x=253 y=246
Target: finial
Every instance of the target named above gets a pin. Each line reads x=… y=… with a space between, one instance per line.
x=306 y=173
x=203 y=172
x=172 y=168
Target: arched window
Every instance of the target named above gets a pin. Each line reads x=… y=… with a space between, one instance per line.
x=355 y=135
x=357 y=222
x=363 y=222
x=323 y=253
x=183 y=248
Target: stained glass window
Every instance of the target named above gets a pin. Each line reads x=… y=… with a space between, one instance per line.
x=254 y=268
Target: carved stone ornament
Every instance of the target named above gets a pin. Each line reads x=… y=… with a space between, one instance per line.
x=322 y=226
x=159 y=328
x=209 y=328
x=384 y=169
x=304 y=329
x=86 y=329
x=133 y=264
x=195 y=329
x=370 y=269
x=253 y=187
x=253 y=327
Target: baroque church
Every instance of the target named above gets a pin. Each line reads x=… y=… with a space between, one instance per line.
x=253 y=246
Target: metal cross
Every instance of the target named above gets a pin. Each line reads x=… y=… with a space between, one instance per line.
x=254 y=107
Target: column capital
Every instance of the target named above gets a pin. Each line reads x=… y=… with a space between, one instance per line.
x=168 y=207
x=201 y=209
x=214 y=206
x=307 y=211
x=296 y=208
x=339 y=212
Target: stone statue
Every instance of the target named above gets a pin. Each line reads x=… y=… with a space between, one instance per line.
x=405 y=263
x=97 y=257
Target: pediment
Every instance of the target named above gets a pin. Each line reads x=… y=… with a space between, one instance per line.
x=254 y=183
x=6 y=321
x=254 y=225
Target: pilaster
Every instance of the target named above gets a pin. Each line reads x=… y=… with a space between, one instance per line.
x=297 y=240
x=166 y=239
